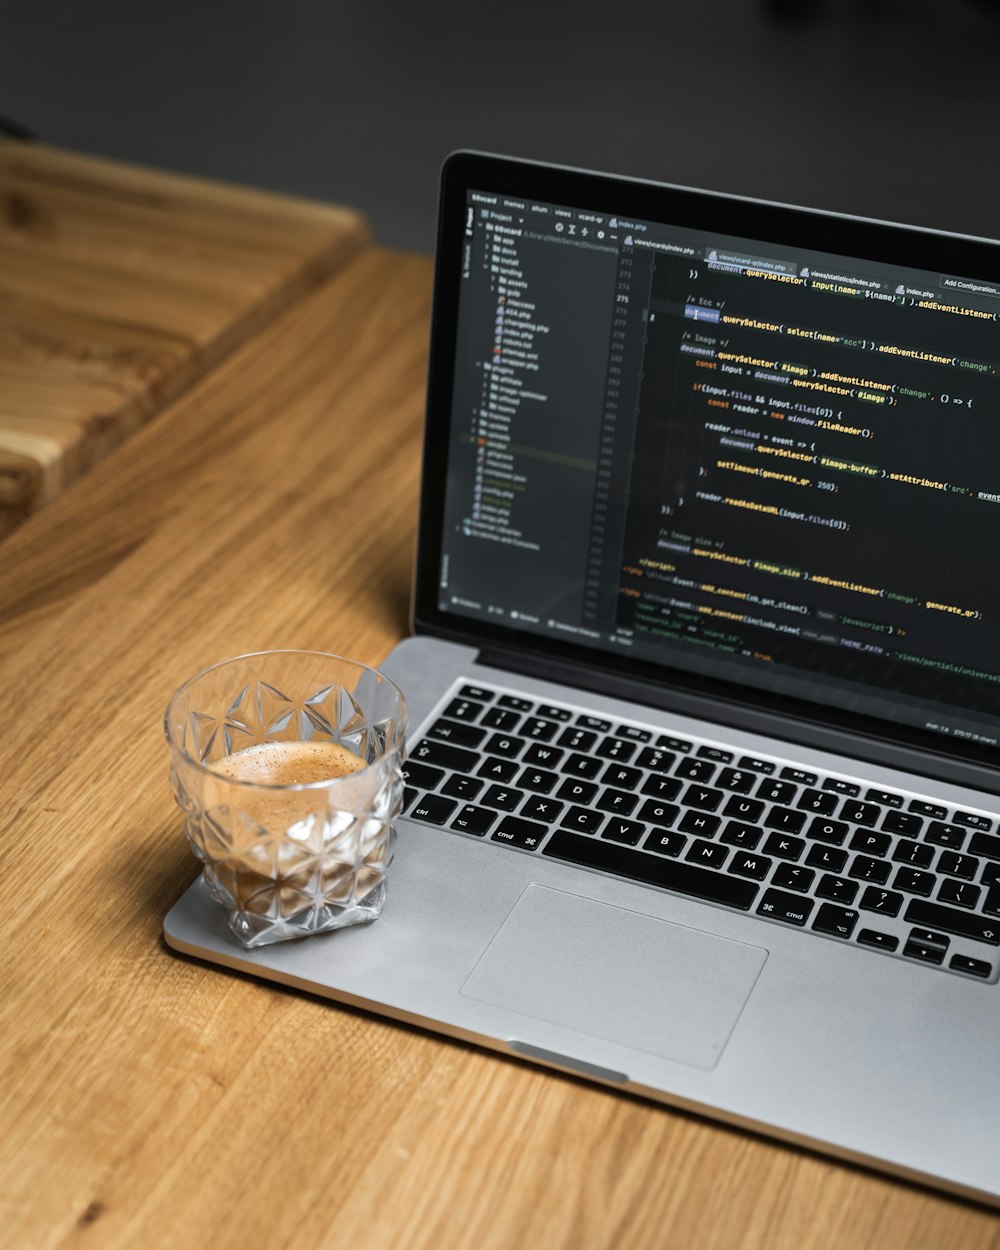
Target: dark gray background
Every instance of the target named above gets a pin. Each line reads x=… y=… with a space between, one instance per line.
x=886 y=108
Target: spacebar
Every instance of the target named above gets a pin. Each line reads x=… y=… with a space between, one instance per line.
x=715 y=887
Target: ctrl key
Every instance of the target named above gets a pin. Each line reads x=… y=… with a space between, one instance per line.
x=790 y=908
x=433 y=809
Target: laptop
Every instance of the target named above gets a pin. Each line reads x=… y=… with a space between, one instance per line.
x=704 y=677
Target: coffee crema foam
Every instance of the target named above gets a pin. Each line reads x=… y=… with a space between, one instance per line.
x=288 y=763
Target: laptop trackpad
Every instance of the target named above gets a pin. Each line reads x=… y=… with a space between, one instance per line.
x=618 y=975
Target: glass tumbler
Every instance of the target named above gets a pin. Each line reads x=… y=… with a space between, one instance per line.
x=286 y=848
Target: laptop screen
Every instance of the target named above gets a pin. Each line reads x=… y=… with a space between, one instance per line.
x=687 y=434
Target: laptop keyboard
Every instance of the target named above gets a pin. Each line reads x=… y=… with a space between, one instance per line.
x=883 y=869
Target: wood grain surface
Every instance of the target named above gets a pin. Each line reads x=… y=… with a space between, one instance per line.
x=149 y=1100
x=118 y=288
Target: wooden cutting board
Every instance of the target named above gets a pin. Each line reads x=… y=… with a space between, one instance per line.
x=119 y=288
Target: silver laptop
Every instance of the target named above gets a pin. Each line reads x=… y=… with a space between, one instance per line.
x=705 y=674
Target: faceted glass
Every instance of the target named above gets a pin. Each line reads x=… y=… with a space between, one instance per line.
x=289 y=860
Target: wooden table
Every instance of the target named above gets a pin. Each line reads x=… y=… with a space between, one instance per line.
x=119 y=287
x=150 y=1101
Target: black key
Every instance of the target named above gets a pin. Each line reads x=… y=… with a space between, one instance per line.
x=634 y=733
x=827 y=857
x=818 y=801
x=462 y=735
x=913 y=881
x=870 y=842
x=744 y=809
x=955 y=865
x=839 y=786
x=673 y=744
x=577 y=739
x=933 y=810
x=777 y=791
x=745 y=864
x=986 y=845
x=616 y=749
x=958 y=893
x=475 y=820
x=792 y=877
x=739 y=779
x=991 y=874
x=930 y=937
x=621 y=775
x=860 y=813
x=552 y=713
x=836 y=921
x=790 y=908
x=926 y=954
x=497 y=769
x=433 y=809
x=785 y=819
x=582 y=819
x=582 y=766
x=832 y=831
x=883 y=901
x=864 y=868
x=538 y=779
x=501 y=718
x=541 y=807
x=887 y=798
x=757 y=765
x=992 y=903
x=463 y=709
x=409 y=794
x=654 y=758
x=965 y=963
x=952 y=836
x=505 y=745
x=618 y=801
x=540 y=730
x=511 y=701
x=883 y=941
x=421 y=775
x=799 y=775
x=658 y=813
x=972 y=821
x=526 y=834
x=736 y=833
x=542 y=754
x=504 y=797
x=916 y=854
x=784 y=846
x=664 y=842
x=662 y=787
x=477 y=692
x=460 y=787
x=628 y=832
x=703 y=797
x=671 y=874
x=840 y=889
x=950 y=920
x=595 y=723
x=695 y=770
x=905 y=823
x=444 y=755
x=715 y=753
x=710 y=854
x=577 y=791
x=699 y=823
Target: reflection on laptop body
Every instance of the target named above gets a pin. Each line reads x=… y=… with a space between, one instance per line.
x=705 y=675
